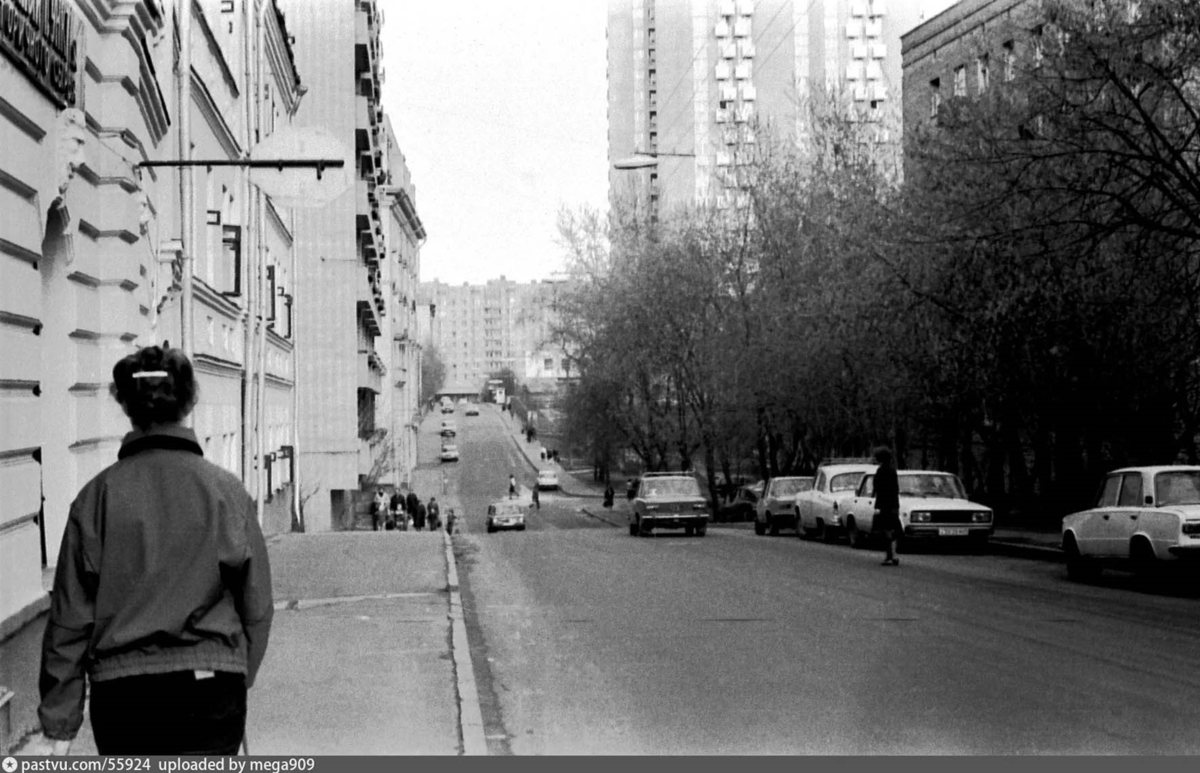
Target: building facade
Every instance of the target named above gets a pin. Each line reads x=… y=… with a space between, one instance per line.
x=479 y=330
x=353 y=280
x=972 y=46
x=400 y=410
x=692 y=77
x=92 y=241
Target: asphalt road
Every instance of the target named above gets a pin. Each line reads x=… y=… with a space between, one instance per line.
x=587 y=640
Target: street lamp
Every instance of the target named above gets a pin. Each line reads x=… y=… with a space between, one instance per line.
x=644 y=159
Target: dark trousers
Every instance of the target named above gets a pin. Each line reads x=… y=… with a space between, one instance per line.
x=164 y=714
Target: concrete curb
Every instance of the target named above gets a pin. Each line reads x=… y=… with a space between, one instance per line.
x=470 y=715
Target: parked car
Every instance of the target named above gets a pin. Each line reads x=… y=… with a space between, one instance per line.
x=776 y=509
x=447 y=408
x=1145 y=518
x=668 y=500
x=472 y=410
x=547 y=479
x=449 y=428
x=505 y=514
x=819 y=509
x=741 y=507
x=449 y=452
x=933 y=505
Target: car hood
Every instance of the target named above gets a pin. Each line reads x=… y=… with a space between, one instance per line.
x=939 y=503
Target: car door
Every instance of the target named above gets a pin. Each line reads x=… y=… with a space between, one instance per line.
x=1095 y=530
x=1124 y=520
x=862 y=506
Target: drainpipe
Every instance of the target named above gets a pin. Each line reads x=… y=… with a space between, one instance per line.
x=187 y=191
x=250 y=257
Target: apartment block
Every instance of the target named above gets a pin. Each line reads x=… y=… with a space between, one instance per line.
x=481 y=329
x=688 y=79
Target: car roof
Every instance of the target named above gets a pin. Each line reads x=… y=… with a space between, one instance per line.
x=792 y=477
x=1157 y=468
x=841 y=467
x=667 y=475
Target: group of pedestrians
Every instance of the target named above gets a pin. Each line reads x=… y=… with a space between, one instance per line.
x=402 y=511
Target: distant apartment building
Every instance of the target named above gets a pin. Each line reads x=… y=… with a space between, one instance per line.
x=91 y=241
x=358 y=264
x=691 y=76
x=479 y=330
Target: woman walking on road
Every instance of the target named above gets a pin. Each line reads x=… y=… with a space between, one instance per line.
x=512 y=486
x=887 y=503
x=162 y=597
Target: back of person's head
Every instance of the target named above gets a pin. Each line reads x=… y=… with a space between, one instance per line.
x=883 y=455
x=154 y=386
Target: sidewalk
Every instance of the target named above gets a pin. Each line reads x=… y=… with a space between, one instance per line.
x=368 y=651
x=1024 y=540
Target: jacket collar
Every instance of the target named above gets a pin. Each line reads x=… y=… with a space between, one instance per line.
x=171 y=437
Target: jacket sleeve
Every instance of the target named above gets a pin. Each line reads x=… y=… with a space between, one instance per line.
x=257 y=604
x=67 y=637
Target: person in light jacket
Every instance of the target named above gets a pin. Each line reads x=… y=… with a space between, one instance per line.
x=162 y=595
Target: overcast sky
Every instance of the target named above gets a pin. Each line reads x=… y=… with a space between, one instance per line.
x=500 y=109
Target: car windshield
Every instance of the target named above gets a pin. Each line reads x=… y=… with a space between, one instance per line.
x=932 y=484
x=1181 y=487
x=847 y=481
x=786 y=487
x=670 y=487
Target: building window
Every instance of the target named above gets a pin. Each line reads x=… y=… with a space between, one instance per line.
x=935 y=97
x=981 y=73
x=1009 y=62
x=960 y=81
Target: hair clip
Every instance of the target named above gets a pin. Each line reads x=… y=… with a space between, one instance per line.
x=151 y=374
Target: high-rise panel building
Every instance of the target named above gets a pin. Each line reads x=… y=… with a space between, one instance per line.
x=689 y=79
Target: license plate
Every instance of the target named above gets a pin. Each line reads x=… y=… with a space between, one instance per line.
x=953 y=531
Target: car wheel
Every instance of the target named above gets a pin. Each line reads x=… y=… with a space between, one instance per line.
x=760 y=528
x=1079 y=568
x=774 y=527
x=643 y=529
x=633 y=529
x=854 y=535
x=521 y=527
x=689 y=530
x=491 y=529
x=819 y=532
x=701 y=530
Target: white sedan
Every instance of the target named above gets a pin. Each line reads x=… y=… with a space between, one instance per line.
x=1144 y=518
x=819 y=509
x=547 y=479
x=933 y=504
x=506 y=514
x=449 y=453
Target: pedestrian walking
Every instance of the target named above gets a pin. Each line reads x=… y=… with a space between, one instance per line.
x=537 y=502
x=609 y=494
x=887 y=504
x=512 y=486
x=419 y=519
x=379 y=510
x=162 y=601
x=630 y=488
x=396 y=505
x=451 y=519
x=410 y=504
x=434 y=514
